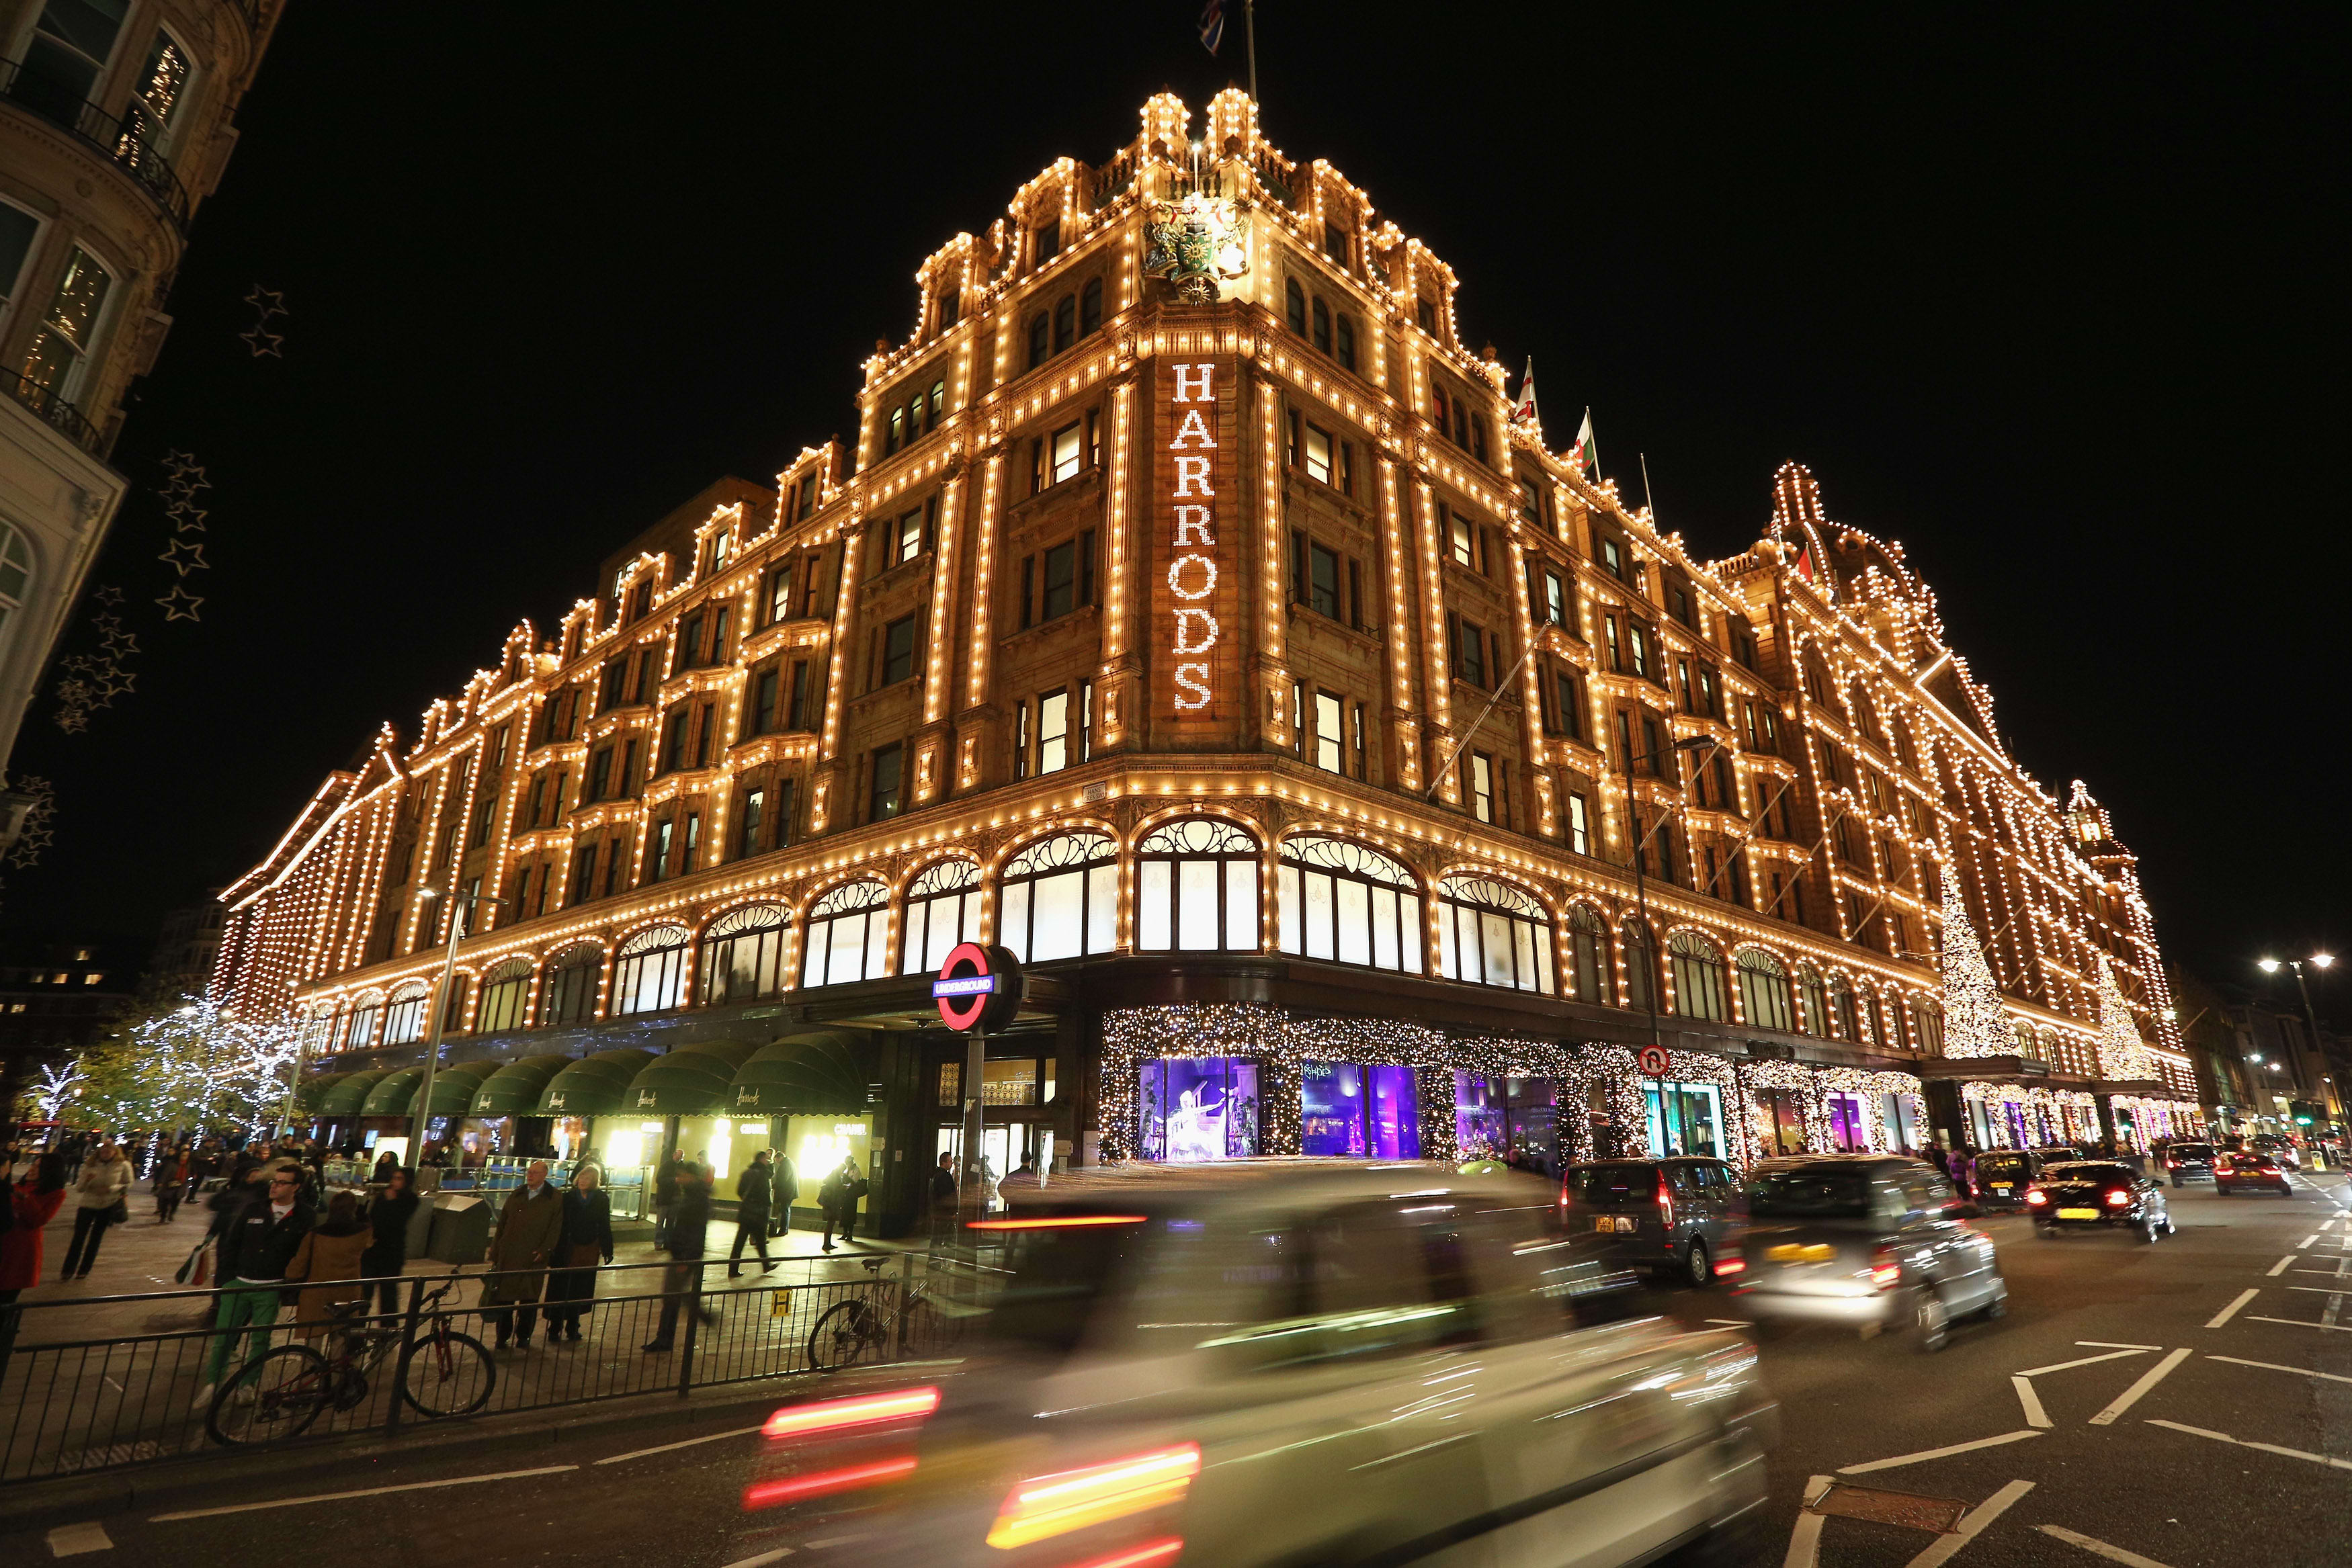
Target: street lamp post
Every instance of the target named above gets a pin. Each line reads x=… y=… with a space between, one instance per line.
x=2310 y=1019
x=1642 y=896
x=440 y=1006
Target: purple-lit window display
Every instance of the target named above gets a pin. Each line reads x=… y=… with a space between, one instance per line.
x=1196 y=1108
x=1512 y=1121
x=1847 y=1129
x=1369 y=1113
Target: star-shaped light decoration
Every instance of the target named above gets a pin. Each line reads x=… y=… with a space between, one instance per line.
x=263 y=342
x=184 y=555
x=109 y=593
x=180 y=604
x=186 y=517
x=121 y=644
x=114 y=684
x=268 y=301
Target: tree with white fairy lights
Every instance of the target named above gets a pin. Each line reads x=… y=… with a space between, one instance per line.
x=187 y=1064
x=1975 y=1023
x=2122 y=1054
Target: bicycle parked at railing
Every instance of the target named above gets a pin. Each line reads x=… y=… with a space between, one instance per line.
x=861 y=1329
x=278 y=1393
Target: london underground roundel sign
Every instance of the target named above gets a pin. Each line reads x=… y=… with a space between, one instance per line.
x=978 y=988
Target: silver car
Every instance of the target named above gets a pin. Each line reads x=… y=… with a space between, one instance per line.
x=1272 y=1365
x=1864 y=1241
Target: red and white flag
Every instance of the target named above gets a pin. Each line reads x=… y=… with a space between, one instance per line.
x=1526 y=413
x=1587 y=459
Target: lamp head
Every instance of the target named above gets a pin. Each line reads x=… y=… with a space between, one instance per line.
x=2322 y=961
x=428 y=891
x=2267 y=966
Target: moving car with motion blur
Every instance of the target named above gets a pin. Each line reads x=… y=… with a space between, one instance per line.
x=1864 y=1241
x=1273 y=1364
x=2241 y=1168
x=2188 y=1162
x=2089 y=1193
x=2004 y=1175
x=1677 y=1217
x=2281 y=1148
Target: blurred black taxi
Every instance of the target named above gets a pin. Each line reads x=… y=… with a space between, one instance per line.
x=1269 y=1363
x=2097 y=1194
x=2235 y=1169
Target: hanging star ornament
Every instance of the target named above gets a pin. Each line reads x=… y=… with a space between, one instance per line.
x=264 y=343
x=180 y=605
x=185 y=518
x=184 y=555
x=268 y=301
x=109 y=593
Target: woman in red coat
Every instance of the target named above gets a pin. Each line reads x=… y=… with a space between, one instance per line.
x=31 y=1206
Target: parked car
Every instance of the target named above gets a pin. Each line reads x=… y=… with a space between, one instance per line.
x=2279 y=1147
x=2004 y=1175
x=1674 y=1216
x=2089 y=1193
x=2188 y=1162
x=1259 y=1367
x=1868 y=1241
x=2249 y=1167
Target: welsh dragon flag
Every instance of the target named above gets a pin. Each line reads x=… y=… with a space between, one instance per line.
x=1582 y=454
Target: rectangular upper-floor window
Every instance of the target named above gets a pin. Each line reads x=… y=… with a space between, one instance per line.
x=1480 y=777
x=883 y=798
x=1053 y=732
x=1580 y=824
x=1613 y=557
x=898 y=651
x=1462 y=539
x=1322 y=325
x=748 y=823
x=675 y=734
x=1323 y=581
x=910 y=541
x=1330 y=736
x=1344 y=350
x=59 y=355
x=657 y=852
x=1639 y=640
x=802 y=713
x=583 y=874
x=1317 y=451
x=1066 y=454
x=600 y=773
x=807 y=500
x=760 y=717
x=780 y=594
x=69 y=47
x=1466 y=643
x=1530 y=502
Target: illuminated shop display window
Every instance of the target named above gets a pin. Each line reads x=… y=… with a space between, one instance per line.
x=1367 y=1113
x=1192 y=1108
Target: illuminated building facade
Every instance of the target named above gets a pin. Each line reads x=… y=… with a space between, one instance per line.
x=1191 y=615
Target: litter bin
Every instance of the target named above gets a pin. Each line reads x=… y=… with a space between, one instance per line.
x=461 y=1227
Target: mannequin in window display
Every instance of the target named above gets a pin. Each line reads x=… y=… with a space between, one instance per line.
x=1196 y=1128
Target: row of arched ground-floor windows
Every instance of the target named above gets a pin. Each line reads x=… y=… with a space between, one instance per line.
x=1200 y=883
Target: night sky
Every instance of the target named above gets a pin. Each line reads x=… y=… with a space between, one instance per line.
x=2047 y=298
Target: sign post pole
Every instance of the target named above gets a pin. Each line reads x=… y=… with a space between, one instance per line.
x=978 y=988
x=971 y=1187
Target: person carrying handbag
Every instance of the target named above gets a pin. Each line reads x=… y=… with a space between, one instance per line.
x=99 y=1195
x=585 y=1241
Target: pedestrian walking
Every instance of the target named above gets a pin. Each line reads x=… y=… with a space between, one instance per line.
x=689 y=1219
x=521 y=1248
x=943 y=1200
x=385 y=1163
x=170 y=1181
x=387 y=1252
x=585 y=1241
x=258 y=1233
x=787 y=1184
x=838 y=1197
x=31 y=1204
x=754 y=1196
x=665 y=1204
x=328 y=1265
x=99 y=1202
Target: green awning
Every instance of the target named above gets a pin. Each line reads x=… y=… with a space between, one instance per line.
x=593 y=1086
x=515 y=1087
x=393 y=1094
x=818 y=1072
x=345 y=1093
x=454 y=1087
x=308 y=1091
x=692 y=1081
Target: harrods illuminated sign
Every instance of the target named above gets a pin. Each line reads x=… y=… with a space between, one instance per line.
x=1199 y=601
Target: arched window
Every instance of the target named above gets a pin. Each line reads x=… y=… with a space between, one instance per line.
x=1066 y=322
x=1764 y=991
x=1641 y=959
x=1588 y=946
x=1343 y=900
x=1698 y=977
x=1294 y=300
x=319 y=1029
x=15 y=576
x=1491 y=934
x=506 y=990
x=942 y=909
x=1845 y=1019
x=1090 y=303
x=849 y=935
x=359 y=1028
x=1816 y=1019
x=1322 y=325
x=568 y=993
x=743 y=955
x=1196 y=888
x=651 y=974
x=403 y=1020
x=1060 y=898
x=1928 y=1022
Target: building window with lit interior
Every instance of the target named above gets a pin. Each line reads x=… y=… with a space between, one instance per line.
x=742 y=956
x=359 y=1029
x=403 y=1020
x=651 y=973
x=568 y=993
x=1588 y=951
x=1640 y=955
x=1060 y=898
x=848 y=935
x=1197 y=888
x=1348 y=903
x=1492 y=934
x=1698 y=977
x=942 y=910
x=1764 y=1000
x=1815 y=994
x=505 y=992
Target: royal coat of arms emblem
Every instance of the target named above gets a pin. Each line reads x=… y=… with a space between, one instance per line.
x=1196 y=244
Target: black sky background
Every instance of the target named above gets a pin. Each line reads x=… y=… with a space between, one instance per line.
x=2057 y=301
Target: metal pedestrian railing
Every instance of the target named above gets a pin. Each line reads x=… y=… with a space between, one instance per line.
x=77 y=1406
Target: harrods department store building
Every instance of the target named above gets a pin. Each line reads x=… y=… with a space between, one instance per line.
x=1190 y=615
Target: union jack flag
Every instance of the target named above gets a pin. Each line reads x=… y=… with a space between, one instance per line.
x=1212 y=25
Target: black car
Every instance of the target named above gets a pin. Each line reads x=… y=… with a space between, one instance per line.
x=2003 y=1176
x=2235 y=1168
x=2087 y=1194
x=1674 y=1216
x=2188 y=1162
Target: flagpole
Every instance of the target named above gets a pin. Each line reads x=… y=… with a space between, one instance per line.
x=1249 y=37
x=1647 y=504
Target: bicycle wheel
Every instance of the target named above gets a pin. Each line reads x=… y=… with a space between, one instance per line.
x=448 y=1375
x=849 y=1332
x=274 y=1396
x=929 y=1333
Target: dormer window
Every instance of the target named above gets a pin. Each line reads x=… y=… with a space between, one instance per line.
x=1049 y=241
x=1335 y=242
x=1425 y=312
x=951 y=308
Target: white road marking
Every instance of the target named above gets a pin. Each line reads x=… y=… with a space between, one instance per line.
x=2318 y=1290
x=1730 y=1323
x=363 y=1491
x=2226 y=1314
x=2112 y=1553
x=2306 y=1242
x=2299 y=1323
x=2274 y=1367
x=779 y=1554
x=1804 y=1540
x=2130 y=1397
x=2034 y=1415
x=2116 y=1344
x=672 y=1447
x=1926 y=1454
x=1971 y=1525
x=73 y=1540
x=2265 y=1447
x=2086 y=1361
x=2280 y=1267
